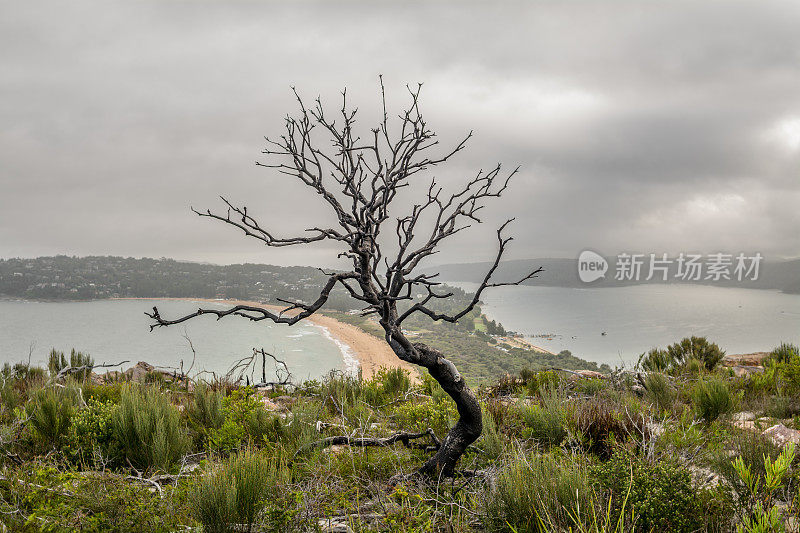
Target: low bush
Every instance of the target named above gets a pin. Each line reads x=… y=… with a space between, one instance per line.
x=659 y=494
x=540 y=382
x=387 y=385
x=51 y=413
x=107 y=392
x=784 y=353
x=656 y=360
x=683 y=353
x=492 y=442
x=90 y=440
x=245 y=421
x=712 y=399
x=602 y=423
x=205 y=410
x=419 y=416
x=590 y=387
x=698 y=348
x=752 y=449
x=540 y=493
x=782 y=406
x=235 y=496
x=659 y=391
x=148 y=429
x=45 y=498
x=57 y=362
x=786 y=362
x=546 y=423
x=760 y=512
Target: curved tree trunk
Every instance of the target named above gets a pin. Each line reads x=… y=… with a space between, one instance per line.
x=470 y=422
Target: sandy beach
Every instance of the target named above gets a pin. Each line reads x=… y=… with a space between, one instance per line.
x=371 y=352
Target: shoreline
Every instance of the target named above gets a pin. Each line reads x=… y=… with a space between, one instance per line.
x=359 y=349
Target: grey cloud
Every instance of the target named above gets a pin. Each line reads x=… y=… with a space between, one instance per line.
x=624 y=117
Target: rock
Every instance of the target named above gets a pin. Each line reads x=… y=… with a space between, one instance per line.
x=748 y=425
x=139 y=371
x=585 y=374
x=270 y=406
x=335 y=449
x=741 y=371
x=704 y=477
x=591 y=374
x=333 y=525
x=781 y=435
x=744 y=416
x=745 y=359
x=284 y=400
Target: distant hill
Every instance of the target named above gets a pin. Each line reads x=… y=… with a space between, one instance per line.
x=773 y=275
x=97 y=277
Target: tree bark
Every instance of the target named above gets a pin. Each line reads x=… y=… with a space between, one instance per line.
x=470 y=421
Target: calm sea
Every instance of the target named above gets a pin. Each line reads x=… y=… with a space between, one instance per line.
x=638 y=318
x=116 y=330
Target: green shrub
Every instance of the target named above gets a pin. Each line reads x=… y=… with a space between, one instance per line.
x=540 y=493
x=540 y=382
x=659 y=391
x=601 y=423
x=237 y=493
x=695 y=348
x=110 y=392
x=432 y=388
x=205 y=410
x=492 y=442
x=51 y=413
x=692 y=367
x=546 y=423
x=341 y=392
x=47 y=498
x=590 y=387
x=660 y=494
x=784 y=353
x=387 y=385
x=245 y=420
x=786 y=363
x=90 y=440
x=57 y=362
x=761 y=515
x=711 y=399
x=783 y=406
x=419 y=416
x=752 y=449
x=10 y=397
x=26 y=375
x=148 y=429
x=656 y=360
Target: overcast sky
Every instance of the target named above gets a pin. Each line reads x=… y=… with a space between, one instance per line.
x=646 y=126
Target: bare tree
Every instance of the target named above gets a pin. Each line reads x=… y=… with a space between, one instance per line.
x=358 y=180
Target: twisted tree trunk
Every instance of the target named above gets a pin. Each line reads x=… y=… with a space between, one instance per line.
x=470 y=422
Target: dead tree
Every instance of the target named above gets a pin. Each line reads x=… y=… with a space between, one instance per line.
x=358 y=180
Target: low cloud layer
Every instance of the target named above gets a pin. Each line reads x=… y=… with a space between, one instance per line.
x=651 y=127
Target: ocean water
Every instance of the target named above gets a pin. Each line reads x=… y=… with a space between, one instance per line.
x=115 y=330
x=638 y=318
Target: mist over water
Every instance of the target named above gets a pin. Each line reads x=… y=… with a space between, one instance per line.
x=115 y=330
x=638 y=318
